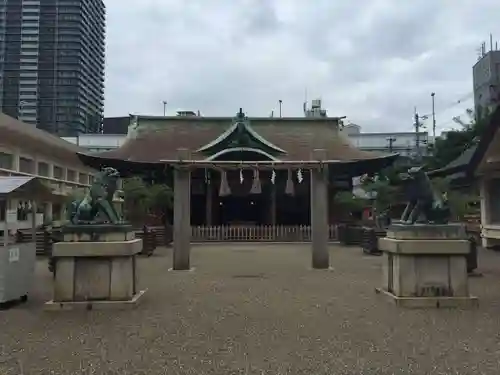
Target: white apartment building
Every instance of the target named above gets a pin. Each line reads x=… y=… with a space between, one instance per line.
x=28 y=151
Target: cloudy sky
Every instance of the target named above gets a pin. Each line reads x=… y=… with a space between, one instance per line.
x=370 y=60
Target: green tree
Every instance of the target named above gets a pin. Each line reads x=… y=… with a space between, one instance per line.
x=460 y=203
x=382 y=189
x=449 y=148
x=142 y=199
x=160 y=200
x=349 y=201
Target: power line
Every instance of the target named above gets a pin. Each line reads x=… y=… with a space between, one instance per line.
x=452 y=104
x=444 y=109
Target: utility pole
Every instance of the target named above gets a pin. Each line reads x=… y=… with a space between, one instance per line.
x=433 y=118
x=391 y=141
x=280 y=103
x=164 y=108
x=417 y=134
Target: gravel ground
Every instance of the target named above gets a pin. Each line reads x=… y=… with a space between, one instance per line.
x=257 y=309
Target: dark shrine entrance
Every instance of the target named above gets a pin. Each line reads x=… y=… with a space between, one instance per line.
x=239 y=210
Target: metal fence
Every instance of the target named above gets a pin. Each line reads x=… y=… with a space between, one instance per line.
x=256 y=233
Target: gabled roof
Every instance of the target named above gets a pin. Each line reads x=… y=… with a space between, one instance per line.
x=461 y=165
x=159 y=139
x=241 y=127
x=489 y=139
x=26 y=187
x=467 y=163
x=18 y=133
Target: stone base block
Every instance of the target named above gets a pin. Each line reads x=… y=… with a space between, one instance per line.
x=98 y=233
x=95 y=271
x=95 y=305
x=430 y=302
x=427 y=231
x=425 y=265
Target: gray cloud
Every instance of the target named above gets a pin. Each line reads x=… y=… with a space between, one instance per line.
x=371 y=60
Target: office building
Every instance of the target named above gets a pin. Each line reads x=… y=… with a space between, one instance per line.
x=52 y=63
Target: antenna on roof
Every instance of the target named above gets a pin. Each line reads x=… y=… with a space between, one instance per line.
x=491 y=42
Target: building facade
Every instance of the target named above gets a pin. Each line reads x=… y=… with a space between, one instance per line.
x=486 y=81
x=408 y=144
x=52 y=63
x=251 y=171
x=28 y=151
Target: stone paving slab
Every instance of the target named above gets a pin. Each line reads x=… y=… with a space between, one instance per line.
x=258 y=309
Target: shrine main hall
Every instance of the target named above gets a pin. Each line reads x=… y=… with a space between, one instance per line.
x=240 y=170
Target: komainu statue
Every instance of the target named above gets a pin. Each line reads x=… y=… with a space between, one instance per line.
x=97 y=206
x=425 y=204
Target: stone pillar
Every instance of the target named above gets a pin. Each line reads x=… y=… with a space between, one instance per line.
x=182 y=218
x=209 y=203
x=319 y=214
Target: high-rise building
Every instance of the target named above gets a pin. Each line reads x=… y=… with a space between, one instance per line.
x=52 y=63
x=486 y=79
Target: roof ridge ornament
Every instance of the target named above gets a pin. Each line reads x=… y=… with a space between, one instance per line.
x=241 y=134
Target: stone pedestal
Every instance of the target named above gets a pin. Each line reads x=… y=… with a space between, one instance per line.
x=95 y=267
x=424 y=265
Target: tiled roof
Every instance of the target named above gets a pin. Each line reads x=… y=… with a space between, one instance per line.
x=460 y=164
x=471 y=158
x=18 y=133
x=298 y=138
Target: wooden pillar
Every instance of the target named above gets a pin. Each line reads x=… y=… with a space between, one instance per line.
x=319 y=216
x=209 y=203
x=33 y=221
x=182 y=219
x=272 y=208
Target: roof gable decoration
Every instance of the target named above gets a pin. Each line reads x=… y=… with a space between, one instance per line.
x=240 y=135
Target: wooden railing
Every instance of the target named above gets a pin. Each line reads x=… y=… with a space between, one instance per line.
x=257 y=233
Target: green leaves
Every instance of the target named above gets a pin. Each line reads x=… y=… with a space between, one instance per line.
x=449 y=148
x=142 y=199
x=348 y=200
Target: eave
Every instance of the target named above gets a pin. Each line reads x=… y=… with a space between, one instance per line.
x=350 y=168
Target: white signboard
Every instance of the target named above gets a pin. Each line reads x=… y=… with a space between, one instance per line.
x=13 y=254
x=11 y=216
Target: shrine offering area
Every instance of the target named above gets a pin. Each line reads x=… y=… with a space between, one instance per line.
x=256 y=309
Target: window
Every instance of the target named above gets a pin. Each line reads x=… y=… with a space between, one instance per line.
x=6 y=160
x=83 y=178
x=58 y=172
x=71 y=175
x=43 y=169
x=26 y=165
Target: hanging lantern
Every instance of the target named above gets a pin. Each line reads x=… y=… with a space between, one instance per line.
x=256 y=185
x=224 y=189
